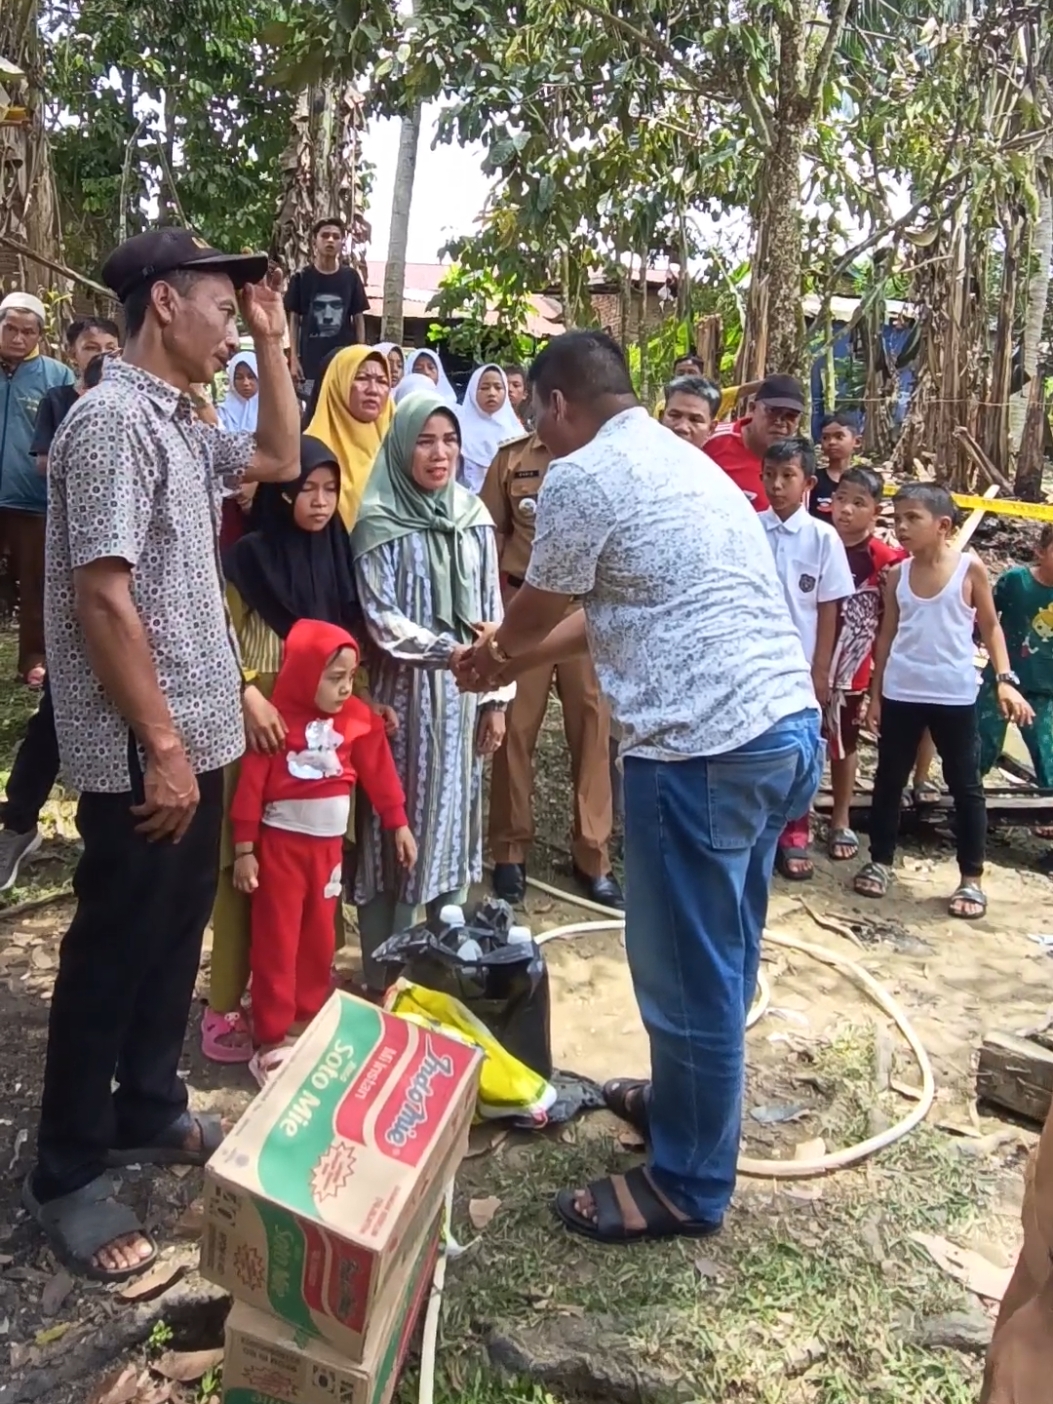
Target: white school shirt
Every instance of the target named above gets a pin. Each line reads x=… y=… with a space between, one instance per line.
x=812 y=564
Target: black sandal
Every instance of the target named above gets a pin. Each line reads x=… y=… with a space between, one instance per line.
x=629 y=1209
x=626 y=1097
x=170 y=1148
x=81 y=1224
x=785 y=856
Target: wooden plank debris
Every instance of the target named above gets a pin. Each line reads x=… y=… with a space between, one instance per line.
x=1017 y=1074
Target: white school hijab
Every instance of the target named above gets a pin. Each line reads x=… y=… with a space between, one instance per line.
x=444 y=389
x=238 y=416
x=483 y=434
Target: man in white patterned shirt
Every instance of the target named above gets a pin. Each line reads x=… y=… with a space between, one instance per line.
x=696 y=651
x=146 y=688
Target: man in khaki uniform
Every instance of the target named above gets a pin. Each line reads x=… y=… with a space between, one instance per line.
x=510 y=492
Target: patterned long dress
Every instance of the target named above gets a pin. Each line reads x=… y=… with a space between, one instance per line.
x=434 y=747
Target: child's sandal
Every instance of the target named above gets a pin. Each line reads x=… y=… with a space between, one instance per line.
x=265 y=1065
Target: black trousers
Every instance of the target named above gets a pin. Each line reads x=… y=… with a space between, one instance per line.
x=35 y=769
x=125 y=983
x=957 y=740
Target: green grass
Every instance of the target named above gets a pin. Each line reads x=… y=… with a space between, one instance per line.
x=841 y=1272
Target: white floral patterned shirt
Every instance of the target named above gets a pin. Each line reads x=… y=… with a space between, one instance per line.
x=133 y=474
x=689 y=629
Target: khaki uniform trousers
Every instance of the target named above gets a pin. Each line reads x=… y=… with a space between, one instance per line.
x=586 y=725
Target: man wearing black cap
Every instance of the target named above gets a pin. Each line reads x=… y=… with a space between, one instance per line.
x=740 y=447
x=147 y=695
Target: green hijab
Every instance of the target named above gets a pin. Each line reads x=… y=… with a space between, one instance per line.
x=394 y=506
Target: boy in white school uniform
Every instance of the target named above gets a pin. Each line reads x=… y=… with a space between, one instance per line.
x=813 y=567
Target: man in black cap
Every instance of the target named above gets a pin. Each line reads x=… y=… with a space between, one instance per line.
x=740 y=447
x=146 y=685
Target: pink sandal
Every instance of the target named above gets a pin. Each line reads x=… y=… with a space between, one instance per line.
x=225 y=1038
x=35 y=677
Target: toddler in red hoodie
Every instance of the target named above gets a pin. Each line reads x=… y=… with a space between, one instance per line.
x=289 y=818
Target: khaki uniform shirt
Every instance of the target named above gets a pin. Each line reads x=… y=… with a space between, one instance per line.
x=510 y=494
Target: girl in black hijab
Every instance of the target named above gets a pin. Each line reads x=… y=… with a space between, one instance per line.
x=294 y=564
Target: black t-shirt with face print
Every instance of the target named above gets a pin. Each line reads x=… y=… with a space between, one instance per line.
x=326 y=304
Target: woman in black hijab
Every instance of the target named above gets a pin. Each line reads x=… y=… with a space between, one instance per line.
x=294 y=564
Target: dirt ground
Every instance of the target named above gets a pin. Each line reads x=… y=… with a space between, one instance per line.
x=815 y=1292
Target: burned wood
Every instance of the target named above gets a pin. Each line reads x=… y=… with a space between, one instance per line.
x=1017 y=1074
x=986 y=467
x=195 y=1308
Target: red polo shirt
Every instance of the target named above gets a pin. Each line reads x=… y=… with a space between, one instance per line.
x=725 y=447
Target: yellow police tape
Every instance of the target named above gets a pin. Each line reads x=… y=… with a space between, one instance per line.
x=1001 y=507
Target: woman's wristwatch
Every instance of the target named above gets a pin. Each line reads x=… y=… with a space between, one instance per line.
x=1010 y=678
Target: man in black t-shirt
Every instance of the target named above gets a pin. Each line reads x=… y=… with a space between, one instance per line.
x=326 y=303
x=86 y=338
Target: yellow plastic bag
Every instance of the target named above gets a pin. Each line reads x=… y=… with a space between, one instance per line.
x=507 y=1087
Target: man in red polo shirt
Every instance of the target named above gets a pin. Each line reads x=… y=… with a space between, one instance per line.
x=740 y=447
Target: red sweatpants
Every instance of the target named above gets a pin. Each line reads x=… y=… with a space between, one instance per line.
x=293 y=936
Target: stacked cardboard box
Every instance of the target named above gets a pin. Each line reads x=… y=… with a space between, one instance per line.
x=323 y=1206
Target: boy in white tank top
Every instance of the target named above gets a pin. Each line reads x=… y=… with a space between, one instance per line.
x=925 y=677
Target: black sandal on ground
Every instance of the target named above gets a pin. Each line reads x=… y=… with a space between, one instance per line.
x=626 y=1097
x=81 y=1224
x=845 y=840
x=629 y=1209
x=878 y=876
x=785 y=856
x=968 y=892
x=170 y=1147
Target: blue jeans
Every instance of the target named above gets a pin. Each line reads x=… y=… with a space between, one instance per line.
x=700 y=839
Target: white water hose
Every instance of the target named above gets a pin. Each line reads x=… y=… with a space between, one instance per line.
x=762 y=1169
x=832 y=1160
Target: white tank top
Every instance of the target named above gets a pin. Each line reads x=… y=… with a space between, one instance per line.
x=933 y=658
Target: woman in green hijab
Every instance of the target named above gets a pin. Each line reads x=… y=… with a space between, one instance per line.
x=426 y=568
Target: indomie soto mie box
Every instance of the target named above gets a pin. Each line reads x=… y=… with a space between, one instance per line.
x=318 y=1200
x=267 y=1361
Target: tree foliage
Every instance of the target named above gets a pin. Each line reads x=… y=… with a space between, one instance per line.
x=173 y=106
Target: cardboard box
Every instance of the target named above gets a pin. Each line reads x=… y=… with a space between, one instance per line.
x=267 y=1361
x=318 y=1201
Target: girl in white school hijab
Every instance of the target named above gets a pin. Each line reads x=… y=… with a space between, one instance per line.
x=487 y=421
x=425 y=361
x=241 y=407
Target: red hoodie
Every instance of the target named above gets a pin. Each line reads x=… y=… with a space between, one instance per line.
x=323 y=753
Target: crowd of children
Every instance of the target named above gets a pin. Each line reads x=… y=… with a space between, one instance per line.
x=889 y=634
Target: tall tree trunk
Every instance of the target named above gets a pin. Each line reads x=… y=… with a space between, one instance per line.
x=781 y=214
x=320 y=173
x=28 y=203
x=391 y=327
x=1037 y=289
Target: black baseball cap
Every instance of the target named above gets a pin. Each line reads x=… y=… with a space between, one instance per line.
x=781 y=392
x=147 y=256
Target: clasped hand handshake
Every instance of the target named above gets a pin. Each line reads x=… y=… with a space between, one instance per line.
x=473 y=665
x=476 y=670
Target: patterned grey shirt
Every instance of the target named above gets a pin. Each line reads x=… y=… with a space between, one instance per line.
x=133 y=474
x=689 y=629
